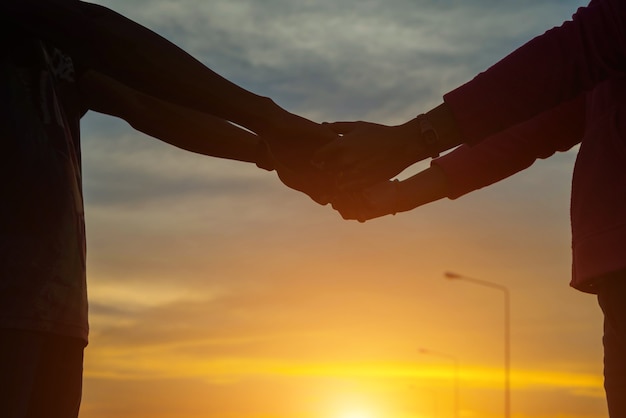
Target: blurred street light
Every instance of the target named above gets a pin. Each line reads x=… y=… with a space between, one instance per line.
x=507 y=327
x=456 y=374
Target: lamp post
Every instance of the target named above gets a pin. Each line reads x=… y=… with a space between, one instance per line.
x=456 y=375
x=507 y=338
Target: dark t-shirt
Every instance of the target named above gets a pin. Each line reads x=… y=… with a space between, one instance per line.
x=42 y=240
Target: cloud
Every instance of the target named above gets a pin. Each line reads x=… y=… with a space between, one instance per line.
x=131 y=169
x=350 y=59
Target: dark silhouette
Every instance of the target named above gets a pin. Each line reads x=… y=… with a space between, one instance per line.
x=62 y=58
x=561 y=88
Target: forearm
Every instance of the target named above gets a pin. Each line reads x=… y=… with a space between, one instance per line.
x=424 y=187
x=197 y=132
x=499 y=156
x=182 y=127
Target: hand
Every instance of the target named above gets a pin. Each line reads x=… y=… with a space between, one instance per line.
x=310 y=181
x=391 y=197
x=378 y=200
x=369 y=153
x=292 y=141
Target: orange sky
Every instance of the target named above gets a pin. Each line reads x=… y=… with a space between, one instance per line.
x=270 y=306
x=216 y=292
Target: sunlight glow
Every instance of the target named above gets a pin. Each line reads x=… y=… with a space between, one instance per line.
x=356 y=414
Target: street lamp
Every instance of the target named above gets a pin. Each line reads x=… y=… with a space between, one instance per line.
x=507 y=337
x=456 y=375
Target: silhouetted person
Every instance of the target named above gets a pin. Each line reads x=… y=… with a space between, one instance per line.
x=561 y=88
x=60 y=59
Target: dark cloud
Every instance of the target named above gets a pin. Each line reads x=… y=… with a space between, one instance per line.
x=334 y=60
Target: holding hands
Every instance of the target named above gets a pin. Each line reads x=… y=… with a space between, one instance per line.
x=378 y=200
x=364 y=158
x=366 y=153
x=290 y=142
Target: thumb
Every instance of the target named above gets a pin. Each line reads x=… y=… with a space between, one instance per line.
x=327 y=155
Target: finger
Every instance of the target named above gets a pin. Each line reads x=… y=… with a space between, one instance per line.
x=318 y=187
x=355 y=206
x=342 y=127
x=357 y=177
x=331 y=156
x=341 y=203
x=321 y=199
x=328 y=133
x=354 y=183
x=347 y=205
x=327 y=151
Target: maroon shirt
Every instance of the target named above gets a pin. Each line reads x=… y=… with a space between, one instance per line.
x=565 y=86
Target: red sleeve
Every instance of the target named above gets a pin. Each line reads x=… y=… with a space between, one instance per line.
x=550 y=69
x=468 y=168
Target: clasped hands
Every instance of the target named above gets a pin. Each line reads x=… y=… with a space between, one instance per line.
x=348 y=164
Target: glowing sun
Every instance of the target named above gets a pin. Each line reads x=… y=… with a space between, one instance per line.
x=356 y=414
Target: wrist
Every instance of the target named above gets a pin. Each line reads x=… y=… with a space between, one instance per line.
x=412 y=137
x=263 y=158
x=260 y=115
x=431 y=133
x=422 y=138
x=270 y=117
x=444 y=124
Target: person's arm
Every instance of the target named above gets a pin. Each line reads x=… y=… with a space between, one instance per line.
x=194 y=131
x=550 y=69
x=182 y=127
x=468 y=168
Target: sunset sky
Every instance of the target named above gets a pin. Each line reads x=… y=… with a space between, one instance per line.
x=217 y=292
